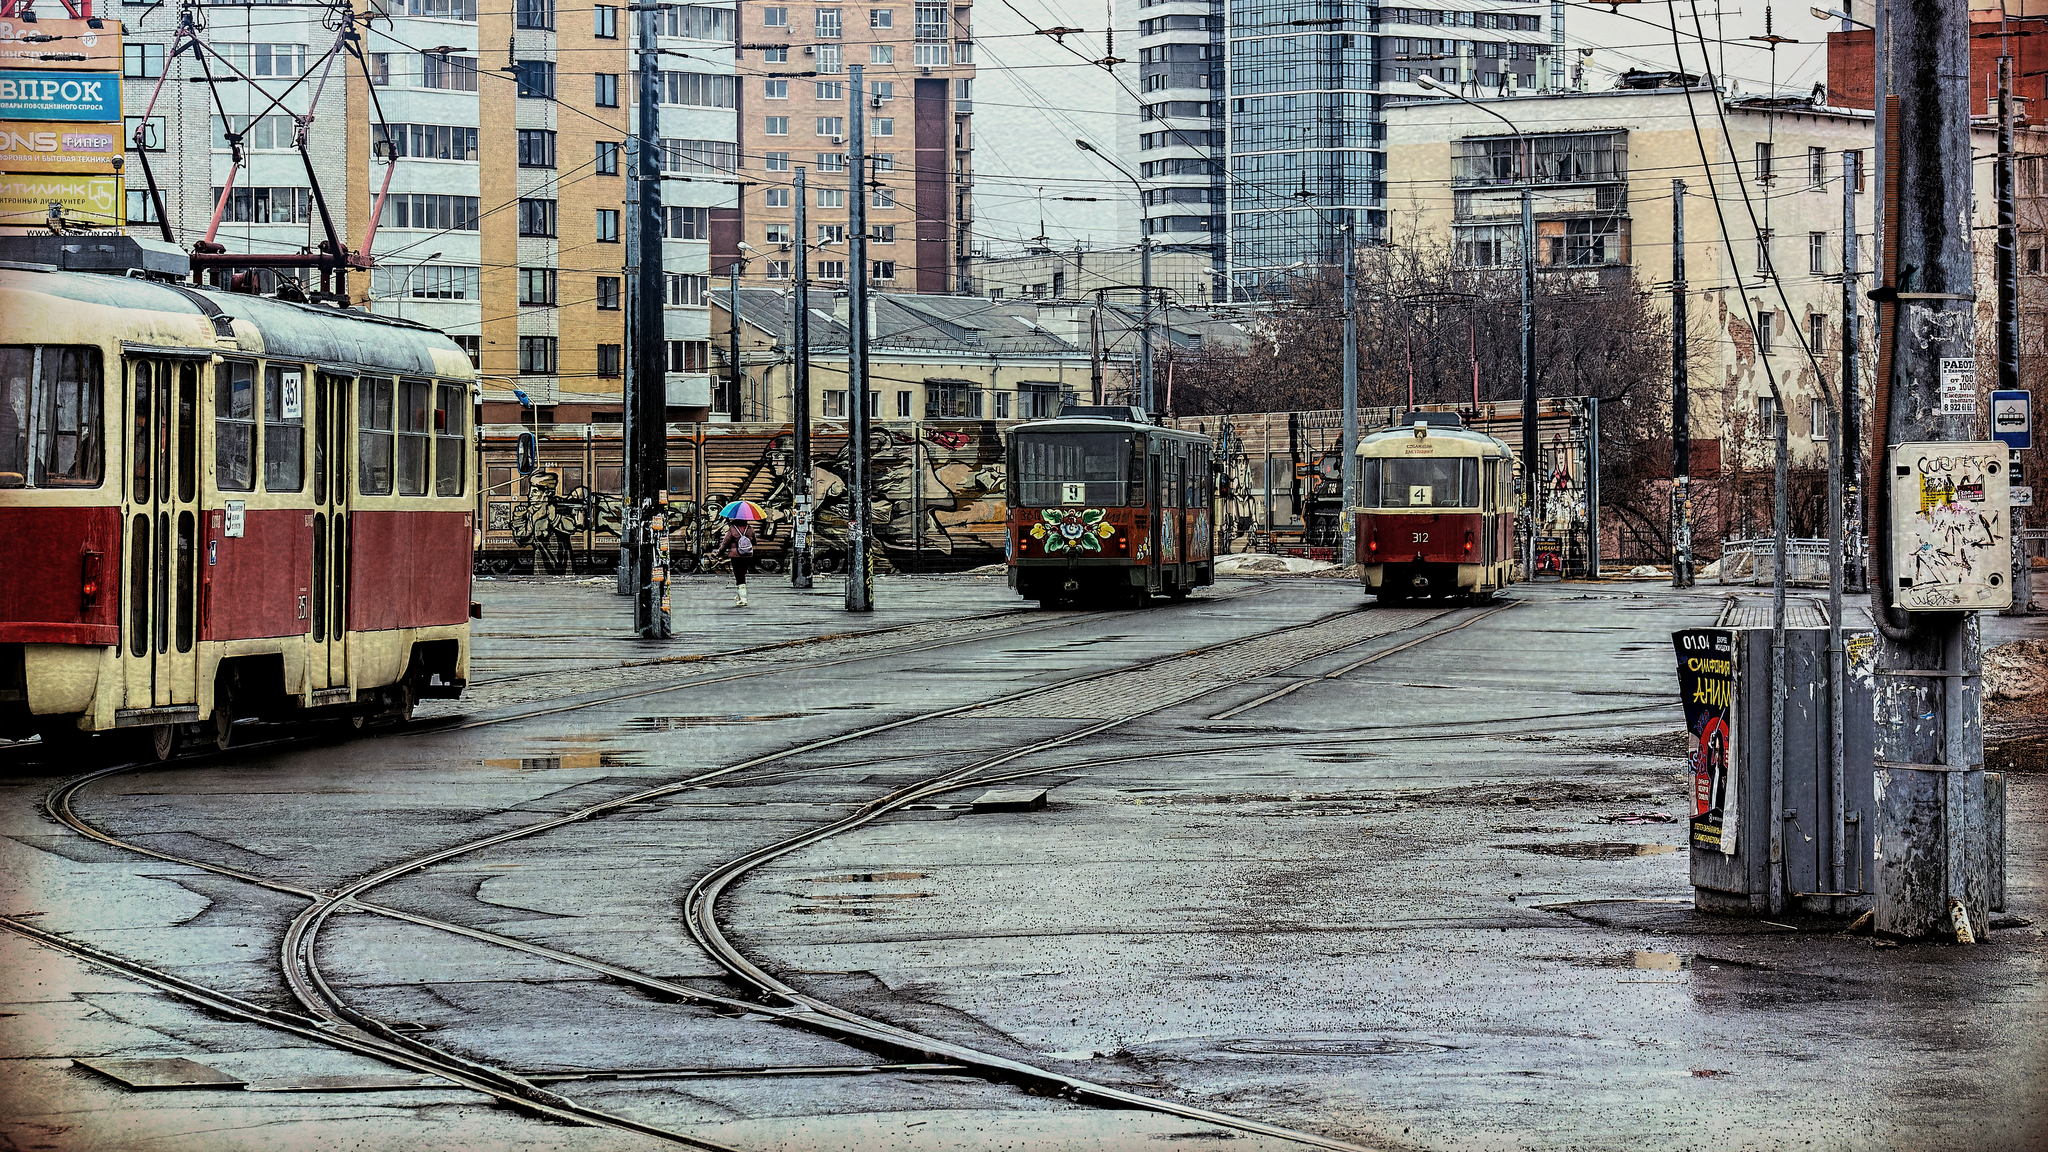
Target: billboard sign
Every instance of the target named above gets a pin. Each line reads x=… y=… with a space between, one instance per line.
x=2012 y=419
x=1706 y=689
x=37 y=148
x=60 y=45
x=94 y=201
x=93 y=97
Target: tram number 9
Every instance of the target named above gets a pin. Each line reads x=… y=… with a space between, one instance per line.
x=1420 y=537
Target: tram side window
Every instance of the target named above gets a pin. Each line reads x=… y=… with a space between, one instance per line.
x=234 y=427
x=284 y=429
x=451 y=423
x=1369 y=483
x=373 y=431
x=415 y=403
x=50 y=427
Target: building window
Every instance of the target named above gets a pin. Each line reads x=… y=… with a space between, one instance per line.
x=881 y=17
x=928 y=21
x=903 y=404
x=534 y=14
x=882 y=54
x=1816 y=167
x=605 y=22
x=536 y=79
x=142 y=209
x=1763 y=162
x=698 y=89
x=537 y=218
x=453 y=73
x=828 y=24
x=1856 y=165
x=928 y=55
x=950 y=401
x=1816 y=251
x=777 y=125
x=882 y=234
x=686 y=223
x=775 y=161
x=775 y=89
x=831 y=233
x=1816 y=333
x=472 y=347
x=1766 y=327
x=686 y=290
x=536 y=355
x=831 y=269
x=776 y=198
x=152 y=132
x=607 y=89
x=832 y=403
x=611 y=359
x=607 y=226
x=608 y=293
x=1002 y=405
x=776 y=234
x=831 y=197
x=536 y=148
x=885 y=126
x=775 y=17
x=884 y=270
x=831 y=90
x=1764 y=266
x=143 y=61
x=778 y=270
x=2034 y=261
x=420 y=141
x=425 y=210
x=689 y=355
x=831 y=161
x=537 y=286
x=776 y=55
x=885 y=198
x=828 y=59
x=679 y=155
x=832 y=126
x=607 y=158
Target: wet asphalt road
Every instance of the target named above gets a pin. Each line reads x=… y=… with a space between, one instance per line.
x=1385 y=907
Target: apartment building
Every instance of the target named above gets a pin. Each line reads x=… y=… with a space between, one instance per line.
x=793 y=111
x=1258 y=130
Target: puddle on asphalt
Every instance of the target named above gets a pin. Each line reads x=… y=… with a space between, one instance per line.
x=671 y=723
x=1656 y=961
x=1603 y=850
x=864 y=877
x=571 y=760
x=1322 y=1046
x=862 y=897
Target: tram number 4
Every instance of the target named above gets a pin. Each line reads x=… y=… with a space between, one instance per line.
x=1420 y=537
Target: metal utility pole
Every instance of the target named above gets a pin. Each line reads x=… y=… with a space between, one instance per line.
x=1145 y=322
x=860 y=565
x=2009 y=312
x=1681 y=404
x=1095 y=351
x=1348 y=538
x=1531 y=482
x=647 y=387
x=1934 y=867
x=735 y=378
x=1849 y=440
x=800 y=401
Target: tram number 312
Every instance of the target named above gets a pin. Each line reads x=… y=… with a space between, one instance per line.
x=1420 y=537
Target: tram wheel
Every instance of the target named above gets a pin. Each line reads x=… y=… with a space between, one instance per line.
x=160 y=742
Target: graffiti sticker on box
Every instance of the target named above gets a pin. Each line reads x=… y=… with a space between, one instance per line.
x=1951 y=533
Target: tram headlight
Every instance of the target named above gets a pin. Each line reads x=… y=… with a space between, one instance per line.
x=1468 y=543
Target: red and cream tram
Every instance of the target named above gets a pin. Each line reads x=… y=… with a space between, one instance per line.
x=1107 y=506
x=1436 y=515
x=217 y=505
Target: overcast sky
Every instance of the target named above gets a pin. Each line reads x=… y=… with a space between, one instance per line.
x=1032 y=98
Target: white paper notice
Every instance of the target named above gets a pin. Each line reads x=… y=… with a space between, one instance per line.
x=1958 y=386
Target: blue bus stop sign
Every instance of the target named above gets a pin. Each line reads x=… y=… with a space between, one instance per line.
x=2012 y=419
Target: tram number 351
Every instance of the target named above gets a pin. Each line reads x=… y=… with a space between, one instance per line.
x=1421 y=537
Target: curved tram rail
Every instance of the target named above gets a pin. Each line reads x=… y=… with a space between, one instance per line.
x=335 y=1022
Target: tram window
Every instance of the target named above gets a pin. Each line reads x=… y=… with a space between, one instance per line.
x=415 y=424
x=142 y=423
x=679 y=482
x=611 y=478
x=1075 y=468
x=1369 y=483
x=451 y=424
x=188 y=432
x=50 y=417
x=187 y=554
x=1430 y=483
x=138 y=584
x=234 y=427
x=373 y=432
x=284 y=429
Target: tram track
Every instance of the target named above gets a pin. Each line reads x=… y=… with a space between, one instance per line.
x=299 y=959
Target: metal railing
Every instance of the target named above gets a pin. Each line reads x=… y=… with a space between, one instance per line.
x=1754 y=561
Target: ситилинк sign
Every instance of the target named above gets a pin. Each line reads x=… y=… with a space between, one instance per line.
x=94 y=201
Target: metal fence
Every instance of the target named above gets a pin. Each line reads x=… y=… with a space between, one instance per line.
x=1755 y=561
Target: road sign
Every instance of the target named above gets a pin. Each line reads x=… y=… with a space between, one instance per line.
x=2012 y=418
x=2022 y=497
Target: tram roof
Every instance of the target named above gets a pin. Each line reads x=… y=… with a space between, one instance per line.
x=1103 y=424
x=319 y=334
x=1380 y=440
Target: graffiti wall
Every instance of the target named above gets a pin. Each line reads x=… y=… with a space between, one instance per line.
x=935 y=493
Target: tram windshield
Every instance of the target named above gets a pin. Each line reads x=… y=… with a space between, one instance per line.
x=1421 y=482
x=1083 y=468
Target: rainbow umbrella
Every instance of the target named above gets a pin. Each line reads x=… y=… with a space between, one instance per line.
x=742 y=510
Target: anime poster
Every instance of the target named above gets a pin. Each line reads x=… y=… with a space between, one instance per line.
x=1706 y=686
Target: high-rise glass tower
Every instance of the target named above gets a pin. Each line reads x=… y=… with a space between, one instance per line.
x=1257 y=129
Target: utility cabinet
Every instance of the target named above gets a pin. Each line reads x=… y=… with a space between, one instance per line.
x=1732 y=851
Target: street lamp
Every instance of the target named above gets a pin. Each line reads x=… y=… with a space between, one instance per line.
x=1837 y=14
x=1144 y=280
x=405 y=285
x=1523 y=161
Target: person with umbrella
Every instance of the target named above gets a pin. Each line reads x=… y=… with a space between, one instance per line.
x=738 y=543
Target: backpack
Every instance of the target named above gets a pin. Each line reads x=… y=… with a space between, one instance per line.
x=743 y=545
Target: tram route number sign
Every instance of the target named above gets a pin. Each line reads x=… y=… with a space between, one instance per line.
x=1073 y=493
x=291 y=396
x=1706 y=689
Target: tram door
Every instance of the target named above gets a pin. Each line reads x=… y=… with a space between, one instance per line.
x=160 y=530
x=327 y=656
x=1155 y=493
x=1489 y=484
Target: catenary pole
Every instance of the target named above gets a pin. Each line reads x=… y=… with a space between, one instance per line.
x=1348 y=538
x=2009 y=309
x=1530 y=480
x=1850 y=440
x=1681 y=404
x=647 y=396
x=1145 y=396
x=860 y=565
x=1935 y=863
x=800 y=399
